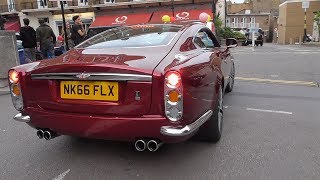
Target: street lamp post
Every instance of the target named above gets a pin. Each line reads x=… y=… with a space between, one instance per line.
x=172 y=8
x=64 y=27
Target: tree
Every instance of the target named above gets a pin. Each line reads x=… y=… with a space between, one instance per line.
x=317 y=17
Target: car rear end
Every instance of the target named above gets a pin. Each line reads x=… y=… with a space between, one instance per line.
x=96 y=94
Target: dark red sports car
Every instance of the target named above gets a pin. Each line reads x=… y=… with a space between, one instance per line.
x=149 y=84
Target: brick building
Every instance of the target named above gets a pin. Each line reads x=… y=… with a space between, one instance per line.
x=291 y=20
x=254 y=13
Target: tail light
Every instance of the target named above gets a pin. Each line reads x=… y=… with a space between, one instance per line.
x=173 y=96
x=15 y=90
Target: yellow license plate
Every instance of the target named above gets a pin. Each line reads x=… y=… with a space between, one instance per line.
x=89 y=90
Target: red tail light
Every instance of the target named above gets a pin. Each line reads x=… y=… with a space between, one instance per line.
x=173 y=96
x=173 y=79
x=13 y=76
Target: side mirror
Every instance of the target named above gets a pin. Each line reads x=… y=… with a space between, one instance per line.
x=231 y=43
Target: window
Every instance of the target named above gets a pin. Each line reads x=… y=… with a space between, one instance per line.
x=252 y=20
x=205 y=39
x=82 y=2
x=42 y=4
x=133 y=37
x=65 y=3
x=109 y=1
x=11 y=5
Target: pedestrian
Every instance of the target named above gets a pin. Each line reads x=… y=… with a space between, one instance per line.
x=28 y=37
x=68 y=29
x=2 y=21
x=46 y=40
x=77 y=33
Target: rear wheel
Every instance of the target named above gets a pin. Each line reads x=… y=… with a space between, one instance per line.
x=229 y=87
x=211 y=131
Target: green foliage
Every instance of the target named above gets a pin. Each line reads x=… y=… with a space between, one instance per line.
x=317 y=17
x=226 y=32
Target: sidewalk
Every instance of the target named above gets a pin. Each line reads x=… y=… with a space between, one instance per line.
x=4 y=90
x=311 y=44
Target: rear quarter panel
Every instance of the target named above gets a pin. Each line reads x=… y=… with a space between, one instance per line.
x=200 y=72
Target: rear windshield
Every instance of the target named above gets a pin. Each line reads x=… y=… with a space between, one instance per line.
x=132 y=36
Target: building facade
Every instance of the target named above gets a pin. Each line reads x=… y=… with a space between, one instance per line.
x=291 y=20
x=88 y=10
x=254 y=13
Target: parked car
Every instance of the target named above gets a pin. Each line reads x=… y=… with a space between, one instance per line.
x=258 y=37
x=57 y=51
x=149 y=84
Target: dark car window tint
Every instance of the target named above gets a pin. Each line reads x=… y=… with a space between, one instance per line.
x=133 y=36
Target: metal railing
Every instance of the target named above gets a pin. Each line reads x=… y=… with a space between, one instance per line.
x=242 y=25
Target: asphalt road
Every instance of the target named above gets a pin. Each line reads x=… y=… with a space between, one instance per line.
x=271 y=131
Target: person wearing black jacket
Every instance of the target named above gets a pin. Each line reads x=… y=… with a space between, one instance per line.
x=46 y=39
x=28 y=38
x=2 y=21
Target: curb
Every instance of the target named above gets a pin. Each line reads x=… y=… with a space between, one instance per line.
x=311 y=44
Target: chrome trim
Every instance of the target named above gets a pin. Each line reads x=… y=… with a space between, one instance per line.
x=19 y=117
x=94 y=76
x=188 y=129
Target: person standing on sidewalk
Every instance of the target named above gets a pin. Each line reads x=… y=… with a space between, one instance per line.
x=28 y=38
x=70 y=41
x=78 y=32
x=2 y=21
x=46 y=40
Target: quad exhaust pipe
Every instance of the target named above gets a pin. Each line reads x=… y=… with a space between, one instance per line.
x=46 y=134
x=151 y=145
x=140 y=145
x=154 y=145
x=40 y=134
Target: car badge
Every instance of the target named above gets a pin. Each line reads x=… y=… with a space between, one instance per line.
x=137 y=98
x=83 y=76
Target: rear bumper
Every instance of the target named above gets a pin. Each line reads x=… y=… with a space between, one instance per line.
x=21 y=118
x=188 y=129
x=111 y=128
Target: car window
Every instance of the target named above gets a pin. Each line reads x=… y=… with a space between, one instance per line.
x=133 y=36
x=203 y=39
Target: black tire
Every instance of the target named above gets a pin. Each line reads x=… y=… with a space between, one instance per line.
x=211 y=130
x=230 y=84
x=261 y=43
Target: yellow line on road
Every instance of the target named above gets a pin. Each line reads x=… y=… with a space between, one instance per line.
x=301 y=83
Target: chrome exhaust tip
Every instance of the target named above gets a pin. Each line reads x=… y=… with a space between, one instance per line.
x=40 y=134
x=154 y=145
x=50 y=135
x=47 y=135
x=140 y=145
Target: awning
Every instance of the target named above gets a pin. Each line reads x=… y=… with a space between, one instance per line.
x=181 y=15
x=118 y=20
x=14 y=26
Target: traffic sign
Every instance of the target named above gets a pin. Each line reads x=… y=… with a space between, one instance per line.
x=305 y=4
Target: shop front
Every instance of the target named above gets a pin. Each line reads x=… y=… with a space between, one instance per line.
x=87 y=19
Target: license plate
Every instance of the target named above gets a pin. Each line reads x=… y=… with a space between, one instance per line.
x=89 y=90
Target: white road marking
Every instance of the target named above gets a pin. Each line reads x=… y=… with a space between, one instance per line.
x=270 y=111
x=62 y=175
x=274 y=75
